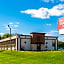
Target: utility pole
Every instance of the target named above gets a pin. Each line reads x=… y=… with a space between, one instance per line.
x=10 y=38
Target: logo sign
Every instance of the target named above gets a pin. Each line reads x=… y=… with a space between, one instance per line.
x=61 y=25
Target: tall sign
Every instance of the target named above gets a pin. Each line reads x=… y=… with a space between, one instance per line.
x=61 y=25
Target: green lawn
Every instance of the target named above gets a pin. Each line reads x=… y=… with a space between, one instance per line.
x=28 y=57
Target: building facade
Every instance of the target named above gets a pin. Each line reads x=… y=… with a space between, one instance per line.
x=34 y=42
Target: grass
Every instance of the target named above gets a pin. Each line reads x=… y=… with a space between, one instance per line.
x=29 y=57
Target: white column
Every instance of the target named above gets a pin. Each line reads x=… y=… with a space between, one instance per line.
x=56 y=44
x=19 y=43
x=16 y=43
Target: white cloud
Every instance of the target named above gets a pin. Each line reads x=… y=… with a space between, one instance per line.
x=48 y=24
x=13 y=29
x=52 y=1
x=1 y=33
x=16 y=25
x=13 y=26
x=51 y=33
x=46 y=0
x=61 y=38
x=48 y=34
x=40 y=13
x=7 y=28
x=11 y=23
x=45 y=13
x=57 y=10
x=62 y=0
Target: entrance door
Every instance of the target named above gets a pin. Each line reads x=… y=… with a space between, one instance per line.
x=38 y=47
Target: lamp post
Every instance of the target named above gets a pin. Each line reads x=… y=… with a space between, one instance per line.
x=10 y=38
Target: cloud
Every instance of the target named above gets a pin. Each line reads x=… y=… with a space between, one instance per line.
x=48 y=24
x=62 y=0
x=45 y=13
x=13 y=26
x=57 y=10
x=12 y=29
x=16 y=25
x=1 y=33
x=51 y=32
x=46 y=0
x=61 y=38
x=40 y=13
x=52 y=1
x=11 y=23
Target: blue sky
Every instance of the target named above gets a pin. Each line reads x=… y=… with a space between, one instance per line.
x=25 y=16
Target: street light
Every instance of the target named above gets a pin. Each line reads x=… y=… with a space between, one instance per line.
x=10 y=38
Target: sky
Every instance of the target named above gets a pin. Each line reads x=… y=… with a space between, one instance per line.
x=26 y=16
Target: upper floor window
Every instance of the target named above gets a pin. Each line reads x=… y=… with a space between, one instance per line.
x=38 y=37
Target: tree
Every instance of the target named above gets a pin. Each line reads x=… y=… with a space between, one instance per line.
x=5 y=36
x=60 y=44
x=0 y=37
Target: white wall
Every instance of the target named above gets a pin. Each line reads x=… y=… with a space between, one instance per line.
x=33 y=46
x=5 y=48
x=50 y=37
x=42 y=47
x=9 y=48
x=49 y=45
x=26 y=46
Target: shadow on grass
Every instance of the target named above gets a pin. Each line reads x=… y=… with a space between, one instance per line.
x=2 y=50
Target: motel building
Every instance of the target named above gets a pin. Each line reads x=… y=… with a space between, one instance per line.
x=34 y=42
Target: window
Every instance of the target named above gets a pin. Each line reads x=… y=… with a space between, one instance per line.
x=46 y=46
x=25 y=42
x=38 y=37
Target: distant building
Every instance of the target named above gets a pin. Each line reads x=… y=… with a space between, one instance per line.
x=34 y=41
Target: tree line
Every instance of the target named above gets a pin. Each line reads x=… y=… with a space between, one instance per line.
x=6 y=36
x=60 y=44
